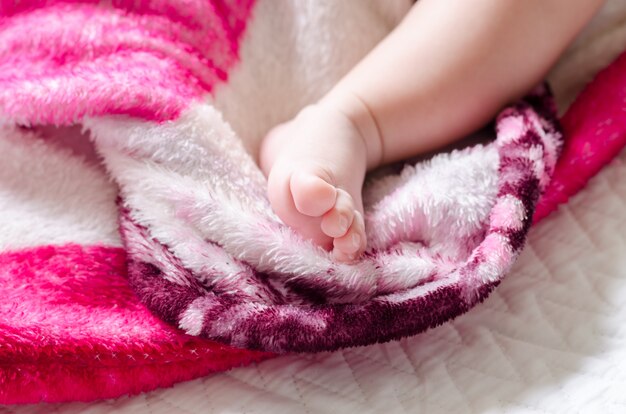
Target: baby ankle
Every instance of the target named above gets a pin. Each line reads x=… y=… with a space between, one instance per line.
x=363 y=120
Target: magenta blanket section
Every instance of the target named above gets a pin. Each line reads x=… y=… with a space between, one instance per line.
x=71 y=329
x=595 y=132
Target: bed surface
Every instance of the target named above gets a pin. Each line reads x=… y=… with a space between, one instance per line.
x=551 y=338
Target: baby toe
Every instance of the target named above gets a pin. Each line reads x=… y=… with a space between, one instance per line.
x=351 y=245
x=312 y=195
x=336 y=222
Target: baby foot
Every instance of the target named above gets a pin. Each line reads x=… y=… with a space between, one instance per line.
x=315 y=166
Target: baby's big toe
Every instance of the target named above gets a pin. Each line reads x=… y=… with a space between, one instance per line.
x=312 y=195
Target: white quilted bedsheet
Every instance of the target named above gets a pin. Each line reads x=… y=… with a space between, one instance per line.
x=550 y=339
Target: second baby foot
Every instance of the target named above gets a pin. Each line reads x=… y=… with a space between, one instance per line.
x=316 y=165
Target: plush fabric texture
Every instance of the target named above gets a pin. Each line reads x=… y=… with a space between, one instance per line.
x=206 y=252
x=594 y=127
x=175 y=95
x=72 y=329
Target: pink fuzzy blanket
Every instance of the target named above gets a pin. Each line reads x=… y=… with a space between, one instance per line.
x=175 y=96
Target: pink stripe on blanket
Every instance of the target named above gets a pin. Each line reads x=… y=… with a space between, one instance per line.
x=72 y=329
x=89 y=58
x=595 y=132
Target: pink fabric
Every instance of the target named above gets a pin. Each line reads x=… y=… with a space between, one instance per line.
x=595 y=132
x=145 y=59
x=73 y=330
x=281 y=294
x=70 y=326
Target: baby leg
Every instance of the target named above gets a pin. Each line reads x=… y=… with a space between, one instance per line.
x=442 y=73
